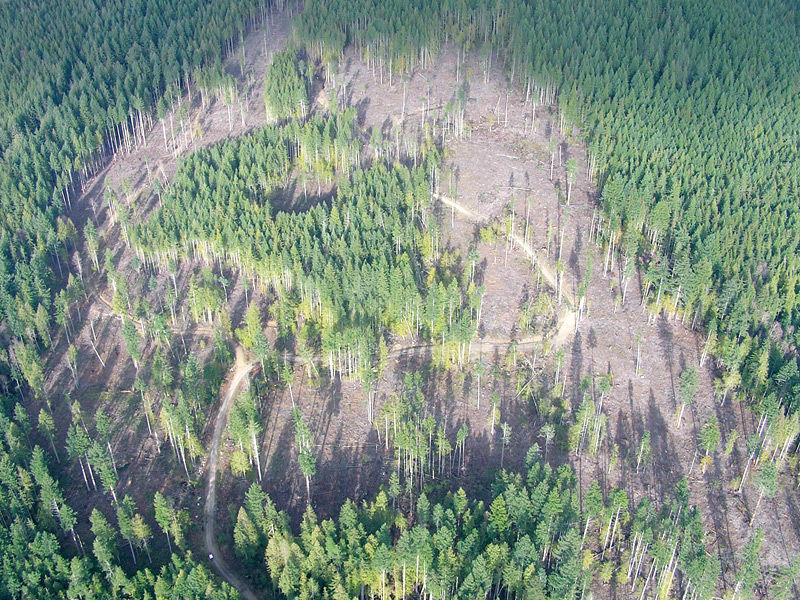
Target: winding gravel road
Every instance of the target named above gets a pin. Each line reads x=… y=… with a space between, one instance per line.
x=241 y=369
x=567 y=318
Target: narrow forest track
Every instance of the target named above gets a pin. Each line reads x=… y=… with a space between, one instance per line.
x=567 y=319
x=239 y=371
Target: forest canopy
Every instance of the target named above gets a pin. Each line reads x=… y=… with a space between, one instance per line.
x=349 y=271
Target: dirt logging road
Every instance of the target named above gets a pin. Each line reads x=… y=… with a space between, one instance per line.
x=567 y=319
x=239 y=371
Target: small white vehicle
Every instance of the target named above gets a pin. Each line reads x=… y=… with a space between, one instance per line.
x=210 y=557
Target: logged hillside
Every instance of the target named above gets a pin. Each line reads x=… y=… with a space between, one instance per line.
x=510 y=289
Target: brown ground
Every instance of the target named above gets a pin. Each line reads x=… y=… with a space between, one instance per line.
x=488 y=166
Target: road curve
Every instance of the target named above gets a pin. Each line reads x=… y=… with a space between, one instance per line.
x=567 y=318
x=241 y=369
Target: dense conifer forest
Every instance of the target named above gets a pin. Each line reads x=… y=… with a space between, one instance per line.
x=365 y=265
x=309 y=251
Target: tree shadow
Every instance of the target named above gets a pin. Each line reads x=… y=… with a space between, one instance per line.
x=591 y=339
x=718 y=509
x=279 y=454
x=793 y=507
x=623 y=439
x=575 y=254
x=667 y=468
x=362 y=106
x=576 y=367
x=668 y=349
